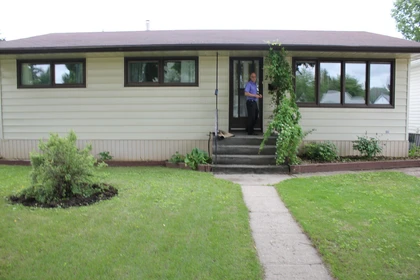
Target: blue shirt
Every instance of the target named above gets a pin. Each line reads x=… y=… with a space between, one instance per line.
x=251 y=87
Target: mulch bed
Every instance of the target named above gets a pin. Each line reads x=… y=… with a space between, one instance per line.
x=347 y=159
x=105 y=192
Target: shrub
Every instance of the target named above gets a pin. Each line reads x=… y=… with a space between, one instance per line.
x=325 y=151
x=61 y=170
x=103 y=156
x=177 y=157
x=367 y=146
x=197 y=157
x=414 y=151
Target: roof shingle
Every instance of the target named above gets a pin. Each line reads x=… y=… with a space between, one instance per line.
x=212 y=39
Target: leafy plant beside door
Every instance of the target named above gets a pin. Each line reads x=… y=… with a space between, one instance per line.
x=197 y=157
x=286 y=115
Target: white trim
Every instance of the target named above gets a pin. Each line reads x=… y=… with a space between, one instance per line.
x=407 y=120
x=1 y=105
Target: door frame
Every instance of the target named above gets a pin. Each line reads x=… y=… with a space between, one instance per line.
x=260 y=85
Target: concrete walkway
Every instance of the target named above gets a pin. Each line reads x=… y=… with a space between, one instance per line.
x=283 y=249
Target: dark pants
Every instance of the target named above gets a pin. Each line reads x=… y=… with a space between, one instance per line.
x=252 y=109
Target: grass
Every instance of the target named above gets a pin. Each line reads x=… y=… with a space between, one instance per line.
x=164 y=224
x=365 y=225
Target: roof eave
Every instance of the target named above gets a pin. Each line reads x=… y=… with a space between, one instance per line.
x=207 y=47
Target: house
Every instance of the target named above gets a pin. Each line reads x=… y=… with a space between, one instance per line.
x=145 y=95
x=414 y=103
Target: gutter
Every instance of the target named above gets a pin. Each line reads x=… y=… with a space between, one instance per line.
x=207 y=47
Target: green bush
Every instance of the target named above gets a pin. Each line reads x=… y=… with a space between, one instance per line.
x=286 y=116
x=177 y=157
x=61 y=170
x=197 y=157
x=414 y=151
x=103 y=156
x=325 y=151
x=367 y=146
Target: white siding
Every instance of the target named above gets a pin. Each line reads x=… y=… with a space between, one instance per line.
x=105 y=109
x=1 y=104
x=130 y=150
x=151 y=123
x=414 y=107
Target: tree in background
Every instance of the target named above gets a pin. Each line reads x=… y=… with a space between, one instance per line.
x=74 y=74
x=305 y=85
x=407 y=15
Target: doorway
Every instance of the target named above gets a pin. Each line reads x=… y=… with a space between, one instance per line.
x=240 y=69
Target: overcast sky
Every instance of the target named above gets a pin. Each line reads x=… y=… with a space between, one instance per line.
x=23 y=18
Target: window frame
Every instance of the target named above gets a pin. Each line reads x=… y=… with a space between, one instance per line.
x=343 y=61
x=52 y=63
x=161 y=61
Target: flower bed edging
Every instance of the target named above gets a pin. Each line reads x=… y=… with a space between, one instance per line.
x=15 y=162
x=204 y=168
x=109 y=162
x=353 y=166
x=181 y=165
x=171 y=164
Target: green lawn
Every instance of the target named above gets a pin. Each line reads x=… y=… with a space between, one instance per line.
x=164 y=224
x=366 y=225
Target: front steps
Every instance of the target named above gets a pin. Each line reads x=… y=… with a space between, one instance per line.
x=239 y=154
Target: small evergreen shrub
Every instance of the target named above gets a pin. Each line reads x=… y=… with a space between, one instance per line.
x=324 y=151
x=197 y=157
x=176 y=158
x=61 y=170
x=367 y=146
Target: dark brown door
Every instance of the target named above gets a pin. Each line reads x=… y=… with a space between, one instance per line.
x=240 y=69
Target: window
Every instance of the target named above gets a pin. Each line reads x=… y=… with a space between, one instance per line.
x=380 y=83
x=46 y=74
x=330 y=83
x=161 y=72
x=305 y=81
x=347 y=83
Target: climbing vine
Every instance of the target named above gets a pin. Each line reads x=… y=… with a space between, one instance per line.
x=286 y=115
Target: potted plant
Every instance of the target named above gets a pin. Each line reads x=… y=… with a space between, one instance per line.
x=198 y=160
x=176 y=161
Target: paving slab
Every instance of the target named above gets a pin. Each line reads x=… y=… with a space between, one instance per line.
x=254 y=179
x=283 y=249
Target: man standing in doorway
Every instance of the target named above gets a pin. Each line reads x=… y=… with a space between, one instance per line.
x=252 y=96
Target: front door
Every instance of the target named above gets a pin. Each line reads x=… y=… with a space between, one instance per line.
x=240 y=69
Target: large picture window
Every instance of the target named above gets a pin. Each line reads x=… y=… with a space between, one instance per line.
x=161 y=72
x=347 y=83
x=50 y=74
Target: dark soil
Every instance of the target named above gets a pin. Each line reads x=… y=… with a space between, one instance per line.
x=357 y=159
x=104 y=192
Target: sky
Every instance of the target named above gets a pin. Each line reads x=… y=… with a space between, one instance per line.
x=23 y=18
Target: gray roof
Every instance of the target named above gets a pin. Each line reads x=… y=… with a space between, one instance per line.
x=209 y=39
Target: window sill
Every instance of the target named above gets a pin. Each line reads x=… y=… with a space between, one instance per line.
x=345 y=106
x=51 y=87
x=160 y=85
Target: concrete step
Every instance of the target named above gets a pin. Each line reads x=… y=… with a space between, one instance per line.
x=245 y=159
x=246 y=140
x=249 y=169
x=244 y=150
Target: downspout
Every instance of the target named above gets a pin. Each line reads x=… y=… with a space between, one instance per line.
x=407 y=118
x=216 y=93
